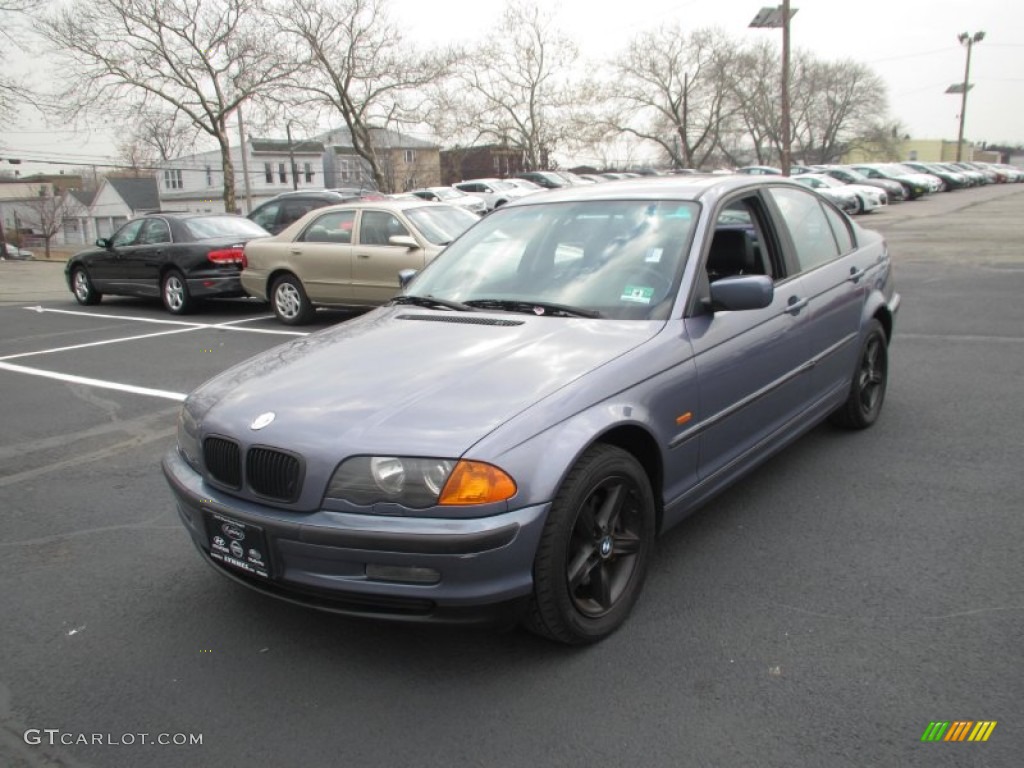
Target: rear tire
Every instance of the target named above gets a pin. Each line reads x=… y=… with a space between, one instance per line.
x=289 y=301
x=83 y=289
x=870 y=378
x=594 y=551
x=174 y=294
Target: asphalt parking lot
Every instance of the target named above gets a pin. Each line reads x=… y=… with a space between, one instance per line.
x=822 y=612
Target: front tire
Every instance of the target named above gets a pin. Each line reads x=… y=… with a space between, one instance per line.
x=175 y=295
x=290 y=302
x=85 y=292
x=867 y=389
x=594 y=551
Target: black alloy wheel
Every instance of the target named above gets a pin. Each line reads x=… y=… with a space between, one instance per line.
x=867 y=390
x=594 y=552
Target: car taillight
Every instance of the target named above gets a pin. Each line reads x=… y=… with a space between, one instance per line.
x=228 y=256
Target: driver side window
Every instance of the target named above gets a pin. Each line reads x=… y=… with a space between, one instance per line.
x=127 y=234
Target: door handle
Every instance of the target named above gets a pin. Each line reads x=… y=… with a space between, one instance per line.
x=795 y=304
x=295 y=251
x=363 y=255
x=856 y=274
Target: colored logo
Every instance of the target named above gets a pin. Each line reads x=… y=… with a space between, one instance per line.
x=958 y=730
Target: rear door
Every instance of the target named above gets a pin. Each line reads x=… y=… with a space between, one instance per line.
x=377 y=260
x=321 y=256
x=835 y=274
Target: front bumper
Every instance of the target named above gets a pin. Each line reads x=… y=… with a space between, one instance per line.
x=334 y=561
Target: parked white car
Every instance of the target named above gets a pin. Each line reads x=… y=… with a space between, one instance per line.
x=495 y=192
x=868 y=198
x=452 y=196
x=14 y=253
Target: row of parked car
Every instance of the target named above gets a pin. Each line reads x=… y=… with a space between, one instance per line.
x=865 y=187
x=346 y=247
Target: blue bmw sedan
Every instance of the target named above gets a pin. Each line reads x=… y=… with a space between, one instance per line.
x=572 y=376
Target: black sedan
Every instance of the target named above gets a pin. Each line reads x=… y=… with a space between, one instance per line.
x=181 y=258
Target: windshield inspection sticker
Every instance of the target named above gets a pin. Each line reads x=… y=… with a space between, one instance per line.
x=653 y=255
x=641 y=294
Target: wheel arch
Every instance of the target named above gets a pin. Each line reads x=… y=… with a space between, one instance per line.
x=620 y=425
x=641 y=445
x=277 y=273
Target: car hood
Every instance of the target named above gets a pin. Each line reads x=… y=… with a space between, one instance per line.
x=407 y=379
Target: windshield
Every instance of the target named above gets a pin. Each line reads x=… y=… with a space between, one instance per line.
x=209 y=227
x=441 y=224
x=620 y=259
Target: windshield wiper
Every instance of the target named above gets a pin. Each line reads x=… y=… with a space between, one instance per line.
x=533 y=307
x=432 y=302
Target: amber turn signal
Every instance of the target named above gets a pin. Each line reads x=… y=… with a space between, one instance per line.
x=473 y=482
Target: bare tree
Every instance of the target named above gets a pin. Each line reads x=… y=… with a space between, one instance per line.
x=201 y=58
x=514 y=89
x=46 y=213
x=157 y=136
x=753 y=83
x=668 y=88
x=882 y=140
x=833 y=102
x=358 y=66
x=12 y=90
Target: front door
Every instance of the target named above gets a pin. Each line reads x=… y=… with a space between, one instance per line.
x=377 y=260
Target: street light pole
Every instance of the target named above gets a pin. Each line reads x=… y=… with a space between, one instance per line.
x=775 y=18
x=968 y=40
x=786 y=138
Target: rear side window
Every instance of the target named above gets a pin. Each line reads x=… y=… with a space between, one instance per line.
x=803 y=215
x=334 y=227
x=266 y=215
x=841 y=230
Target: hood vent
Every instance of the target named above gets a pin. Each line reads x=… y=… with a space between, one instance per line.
x=460 y=319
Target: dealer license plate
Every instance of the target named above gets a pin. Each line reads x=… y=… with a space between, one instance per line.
x=239 y=545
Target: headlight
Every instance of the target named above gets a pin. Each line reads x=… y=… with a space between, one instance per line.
x=188 y=438
x=418 y=482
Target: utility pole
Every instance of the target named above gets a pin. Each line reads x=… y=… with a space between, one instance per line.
x=245 y=162
x=291 y=155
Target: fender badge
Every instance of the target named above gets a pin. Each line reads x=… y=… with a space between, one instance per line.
x=262 y=420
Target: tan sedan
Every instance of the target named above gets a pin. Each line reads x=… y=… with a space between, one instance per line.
x=348 y=255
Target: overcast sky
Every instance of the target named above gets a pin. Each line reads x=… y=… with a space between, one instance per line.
x=911 y=44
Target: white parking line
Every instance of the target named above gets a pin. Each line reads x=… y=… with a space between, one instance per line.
x=102 y=384
x=186 y=327
x=112 y=317
x=97 y=343
x=227 y=326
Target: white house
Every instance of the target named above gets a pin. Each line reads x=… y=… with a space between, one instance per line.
x=196 y=182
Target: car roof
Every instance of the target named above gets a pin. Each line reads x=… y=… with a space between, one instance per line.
x=689 y=187
x=183 y=215
x=393 y=204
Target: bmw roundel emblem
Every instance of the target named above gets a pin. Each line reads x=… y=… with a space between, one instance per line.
x=262 y=420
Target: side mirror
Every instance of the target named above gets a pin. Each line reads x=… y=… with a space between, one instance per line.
x=408 y=241
x=742 y=292
x=103 y=243
x=405 y=277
